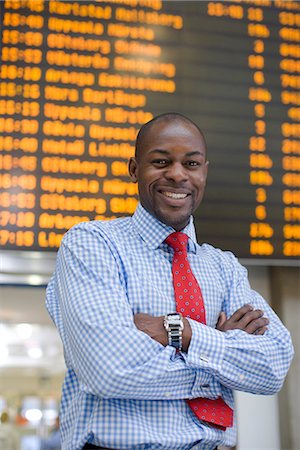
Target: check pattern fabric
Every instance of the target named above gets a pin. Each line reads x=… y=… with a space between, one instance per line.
x=189 y=302
x=124 y=390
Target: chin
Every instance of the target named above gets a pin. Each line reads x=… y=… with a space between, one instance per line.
x=173 y=220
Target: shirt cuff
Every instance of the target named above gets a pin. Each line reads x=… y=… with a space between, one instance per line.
x=207 y=347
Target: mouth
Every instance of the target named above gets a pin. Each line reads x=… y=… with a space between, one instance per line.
x=175 y=195
x=172 y=196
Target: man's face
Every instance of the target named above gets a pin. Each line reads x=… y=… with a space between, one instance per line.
x=171 y=171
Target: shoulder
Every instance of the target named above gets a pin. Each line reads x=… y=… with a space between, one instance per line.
x=91 y=241
x=93 y=246
x=97 y=231
x=224 y=261
x=218 y=255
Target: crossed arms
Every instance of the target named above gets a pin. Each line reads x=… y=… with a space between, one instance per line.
x=113 y=358
x=245 y=318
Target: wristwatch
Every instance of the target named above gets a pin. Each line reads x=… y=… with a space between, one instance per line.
x=173 y=323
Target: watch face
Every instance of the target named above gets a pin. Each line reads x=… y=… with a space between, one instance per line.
x=173 y=320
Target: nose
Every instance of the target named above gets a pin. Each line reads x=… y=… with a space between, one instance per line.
x=176 y=172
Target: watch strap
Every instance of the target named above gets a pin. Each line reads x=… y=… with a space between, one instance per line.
x=174 y=326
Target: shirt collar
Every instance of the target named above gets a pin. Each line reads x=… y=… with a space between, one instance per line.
x=153 y=232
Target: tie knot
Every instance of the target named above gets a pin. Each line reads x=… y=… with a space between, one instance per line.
x=178 y=241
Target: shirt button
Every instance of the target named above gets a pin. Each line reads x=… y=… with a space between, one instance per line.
x=204 y=358
x=168 y=394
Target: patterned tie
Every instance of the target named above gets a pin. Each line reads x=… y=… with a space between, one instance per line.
x=189 y=302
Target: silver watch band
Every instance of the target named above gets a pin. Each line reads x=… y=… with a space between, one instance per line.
x=174 y=325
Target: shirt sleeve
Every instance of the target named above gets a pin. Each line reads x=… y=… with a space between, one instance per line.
x=238 y=360
x=110 y=356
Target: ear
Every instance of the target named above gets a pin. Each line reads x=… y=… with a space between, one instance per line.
x=133 y=169
x=206 y=168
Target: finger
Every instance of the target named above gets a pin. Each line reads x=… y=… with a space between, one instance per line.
x=221 y=320
x=239 y=313
x=256 y=324
x=250 y=317
x=261 y=331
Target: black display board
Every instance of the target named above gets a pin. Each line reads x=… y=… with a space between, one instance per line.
x=78 y=79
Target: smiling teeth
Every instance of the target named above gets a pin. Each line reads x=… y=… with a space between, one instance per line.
x=173 y=195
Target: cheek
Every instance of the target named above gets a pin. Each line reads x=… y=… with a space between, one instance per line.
x=146 y=179
x=145 y=186
x=199 y=182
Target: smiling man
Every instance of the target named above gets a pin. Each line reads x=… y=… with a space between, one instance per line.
x=158 y=330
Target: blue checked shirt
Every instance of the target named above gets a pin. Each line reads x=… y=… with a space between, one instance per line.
x=124 y=390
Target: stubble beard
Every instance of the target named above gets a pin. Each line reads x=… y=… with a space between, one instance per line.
x=175 y=220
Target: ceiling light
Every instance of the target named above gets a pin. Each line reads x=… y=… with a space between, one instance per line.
x=24 y=330
x=33 y=415
x=35 y=280
x=35 y=352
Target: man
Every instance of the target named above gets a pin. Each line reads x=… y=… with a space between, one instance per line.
x=135 y=377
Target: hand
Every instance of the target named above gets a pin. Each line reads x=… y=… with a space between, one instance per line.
x=245 y=318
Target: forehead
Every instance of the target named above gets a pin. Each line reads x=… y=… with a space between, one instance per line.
x=172 y=134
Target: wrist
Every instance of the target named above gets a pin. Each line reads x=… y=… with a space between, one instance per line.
x=174 y=326
x=186 y=335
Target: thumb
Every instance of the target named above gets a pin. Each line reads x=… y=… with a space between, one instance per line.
x=221 y=320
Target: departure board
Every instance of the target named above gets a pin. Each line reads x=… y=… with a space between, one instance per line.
x=78 y=79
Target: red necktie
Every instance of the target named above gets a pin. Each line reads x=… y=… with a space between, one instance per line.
x=189 y=302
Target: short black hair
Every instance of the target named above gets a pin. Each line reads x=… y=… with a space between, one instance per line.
x=167 y=117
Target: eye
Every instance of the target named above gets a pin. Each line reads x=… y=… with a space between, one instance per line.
x=160 y=162
x=193 y=163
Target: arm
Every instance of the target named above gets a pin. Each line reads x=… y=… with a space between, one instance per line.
x=245 y=352
x=245 y=318
x=110 y=356
x=255 y=363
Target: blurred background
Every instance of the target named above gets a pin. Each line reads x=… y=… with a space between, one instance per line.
x=77 y=80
